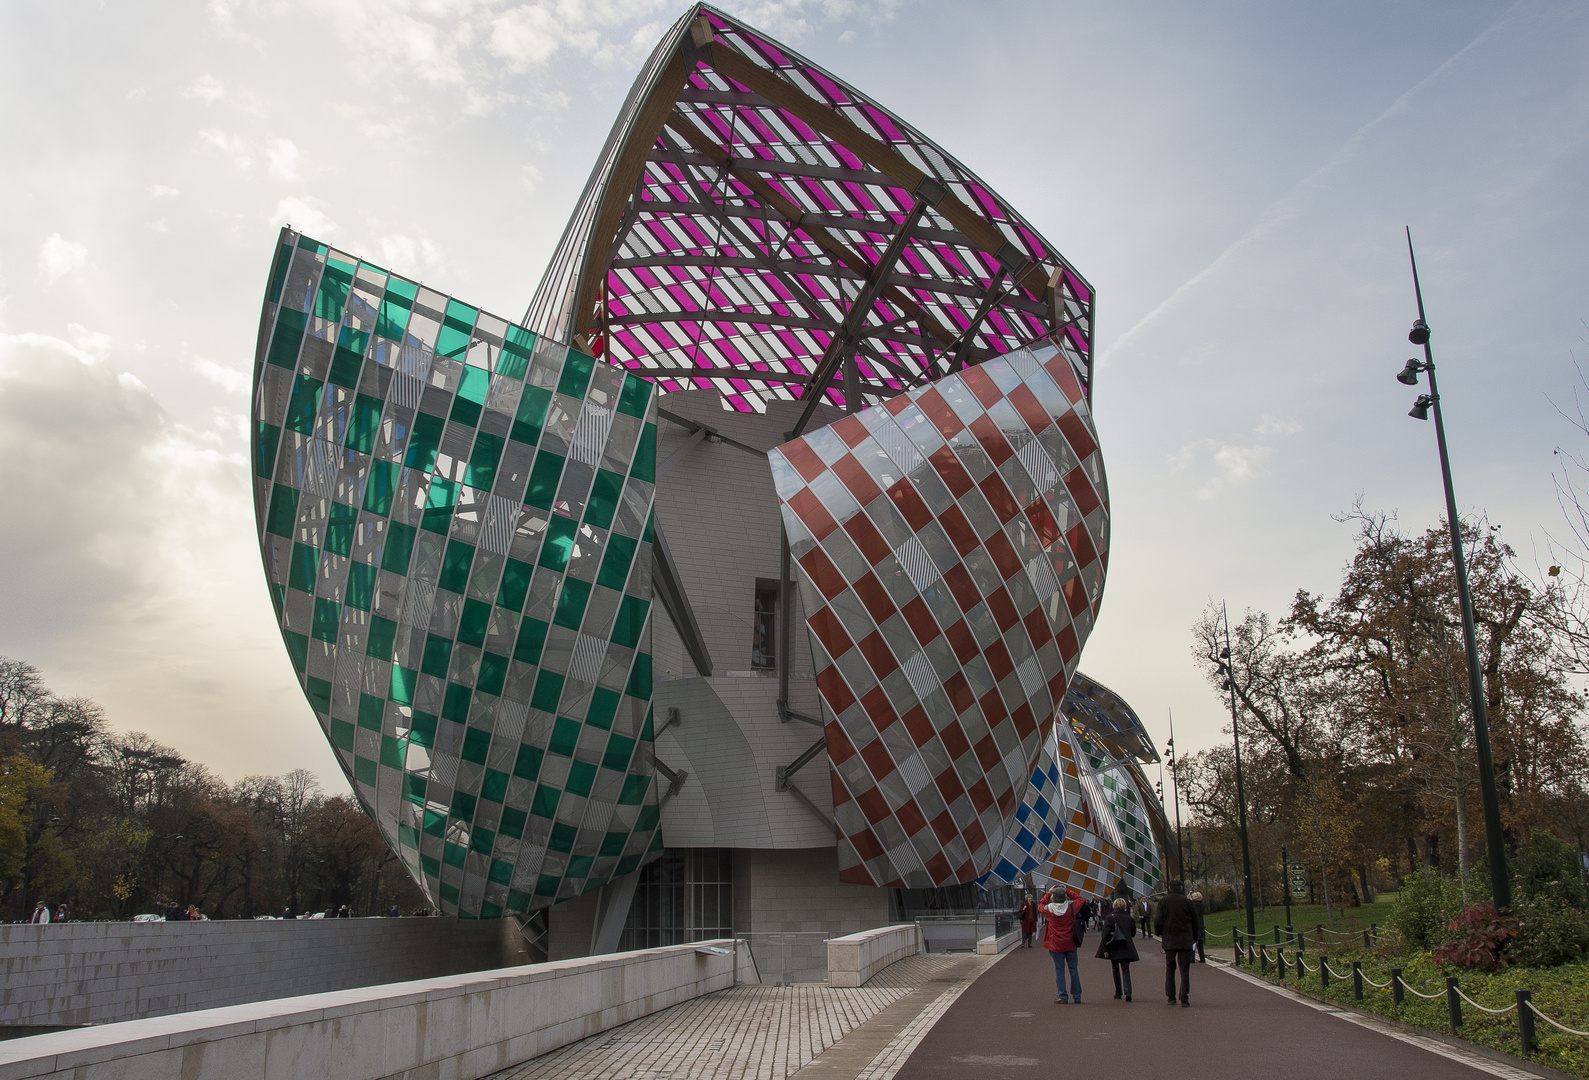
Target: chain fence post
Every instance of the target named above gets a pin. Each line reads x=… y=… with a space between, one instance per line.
x=1396 y=991
x=1453 y=1003
x=1366 y=946
x=1525 y=1021
x=1321 y=937
x=1263 y=960
x=1277 y=935
x=1357 y=980
x=1324 y=975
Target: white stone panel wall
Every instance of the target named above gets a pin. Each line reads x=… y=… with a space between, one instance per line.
x=453 y=1028
x=855 y=958
x=719 y=511
x=100 y=973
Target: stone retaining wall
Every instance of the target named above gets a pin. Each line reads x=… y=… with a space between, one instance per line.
x=855 y=958
x=70 y=974
x=460 y=1027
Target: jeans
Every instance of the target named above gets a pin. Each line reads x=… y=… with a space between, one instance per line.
x=1202 y=957
x=1177 y=958
x=1122 y=970
x=1061 y=961
x=1026 y=938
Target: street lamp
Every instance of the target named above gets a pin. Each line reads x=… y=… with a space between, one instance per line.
x=1175 y=791
x=1499 y=882
x=1241 y=793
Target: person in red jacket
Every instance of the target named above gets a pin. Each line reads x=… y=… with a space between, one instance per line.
x=1059 y=938
x=1028 y=915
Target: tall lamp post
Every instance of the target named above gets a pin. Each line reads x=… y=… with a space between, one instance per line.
x=1241 y=792
x=1175 y=793
x=1499 y=881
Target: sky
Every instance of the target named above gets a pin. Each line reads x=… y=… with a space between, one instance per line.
x=1233 y=178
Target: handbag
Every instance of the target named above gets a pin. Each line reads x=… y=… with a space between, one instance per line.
x=1116 y=936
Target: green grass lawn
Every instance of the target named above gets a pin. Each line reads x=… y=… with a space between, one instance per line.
x=1303 y=917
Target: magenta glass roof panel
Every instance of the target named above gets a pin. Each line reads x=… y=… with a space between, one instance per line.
x=766 y=194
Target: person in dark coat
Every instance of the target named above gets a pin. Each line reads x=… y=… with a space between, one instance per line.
x=1179 y=926
x=1059 y=938
x=1120 y=953
x=1202 y=927
x=1028 y=915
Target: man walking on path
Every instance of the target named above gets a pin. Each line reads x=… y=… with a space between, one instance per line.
x=1059 y=938
x=41 y=914
x=1179 y=927
x=1202 y=928
x=1028 y=915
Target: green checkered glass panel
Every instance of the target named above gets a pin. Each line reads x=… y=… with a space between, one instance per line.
x=1130 y=817
x=456 y=519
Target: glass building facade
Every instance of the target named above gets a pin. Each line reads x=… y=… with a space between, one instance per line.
x=458 y=519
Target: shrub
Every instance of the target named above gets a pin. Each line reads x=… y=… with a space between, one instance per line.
x=1478 y=938
x=1546 y=866
x=1550 y=929
x=1425 y=906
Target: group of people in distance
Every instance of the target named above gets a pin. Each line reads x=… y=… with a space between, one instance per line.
x=1066 y=916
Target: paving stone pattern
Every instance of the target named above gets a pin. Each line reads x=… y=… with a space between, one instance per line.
x=749 y=1032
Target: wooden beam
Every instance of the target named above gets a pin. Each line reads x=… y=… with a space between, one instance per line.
x=877 y=154
x=681 y=125
x=621 y=183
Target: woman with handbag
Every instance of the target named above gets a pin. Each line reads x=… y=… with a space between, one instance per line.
x=1117 y=946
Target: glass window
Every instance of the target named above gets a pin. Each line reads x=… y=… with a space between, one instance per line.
x=686 y=895
x=764 y=626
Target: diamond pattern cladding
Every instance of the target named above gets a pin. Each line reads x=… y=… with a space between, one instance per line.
x=455 y=520
x=950 y=591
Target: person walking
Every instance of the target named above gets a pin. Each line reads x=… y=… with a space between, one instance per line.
x=1145 y=917
x=1060 y=938
x=1179 y=926
x=41 y=914
x=60 y=913
x=1117 y=946
x=1028 y=915
x=1197 y=902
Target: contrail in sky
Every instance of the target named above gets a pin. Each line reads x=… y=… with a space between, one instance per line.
x=1288 y=205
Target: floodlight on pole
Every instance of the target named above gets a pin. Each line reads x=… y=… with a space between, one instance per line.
x=1500 y=883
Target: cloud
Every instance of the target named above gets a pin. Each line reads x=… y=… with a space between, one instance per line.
x=59 y=257
x=416 y=255
x=75 y=435
x=1274 y=425
x=228 y=379
x=162 y=191
x=1220 y=465
x=306 y=214
x=283 y=157
x=207 y=89
x=235 y=147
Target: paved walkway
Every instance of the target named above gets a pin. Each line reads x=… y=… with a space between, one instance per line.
x=773 y=1032
x=944 y=1017
x=1007 y=1025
